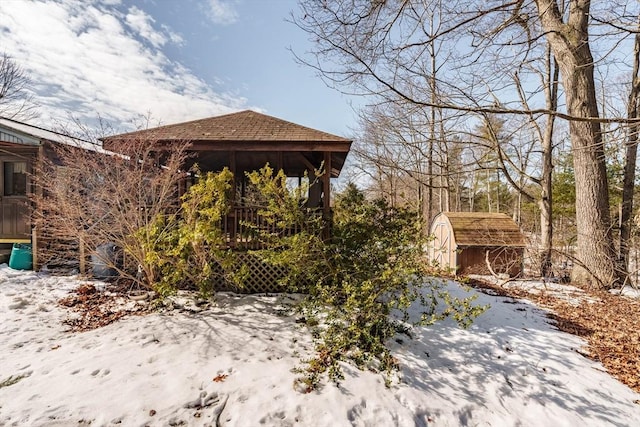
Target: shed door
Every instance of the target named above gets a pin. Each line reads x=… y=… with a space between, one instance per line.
x=442 y=244
x=14 y=206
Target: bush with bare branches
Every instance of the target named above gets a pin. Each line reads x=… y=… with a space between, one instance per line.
x=87 y=197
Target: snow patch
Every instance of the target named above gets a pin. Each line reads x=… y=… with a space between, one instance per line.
x=230 y=363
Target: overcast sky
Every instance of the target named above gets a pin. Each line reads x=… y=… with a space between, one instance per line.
x=175 y=59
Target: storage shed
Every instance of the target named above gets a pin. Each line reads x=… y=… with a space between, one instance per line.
x=476 y=243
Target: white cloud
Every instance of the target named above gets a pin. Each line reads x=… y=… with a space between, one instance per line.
x=88 y=58
x=223 y=11
x=142 y=23
x=173 y=36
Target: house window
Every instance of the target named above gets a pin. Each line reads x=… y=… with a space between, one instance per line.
x=15 y=178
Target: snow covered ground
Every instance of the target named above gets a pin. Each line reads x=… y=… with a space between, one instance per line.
x=231 y=363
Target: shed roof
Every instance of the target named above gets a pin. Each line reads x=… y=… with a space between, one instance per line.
x=484 y=229
x=30 y=135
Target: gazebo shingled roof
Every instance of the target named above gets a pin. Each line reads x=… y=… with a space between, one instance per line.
x=246 y=131
x=241 y=126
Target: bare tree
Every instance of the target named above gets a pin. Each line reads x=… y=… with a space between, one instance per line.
x=401 y=147
x=16 y=101
x=373 y=47
x=568 y=37
x=544 y=133
x=546 y=181
x=631 y=153
x=88 y=197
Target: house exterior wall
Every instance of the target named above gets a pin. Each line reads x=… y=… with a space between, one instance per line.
x=17 y=161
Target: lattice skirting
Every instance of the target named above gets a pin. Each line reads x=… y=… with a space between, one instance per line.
x=263 y=278
x=63 y=255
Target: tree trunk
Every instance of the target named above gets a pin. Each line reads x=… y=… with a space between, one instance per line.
x=497 y=191
x=570 y=45
x=429 y=207
x=546 y=207
x=546 y=182
x=432 y=126
x=630 y=160
x=487 y=177
x=445 y=178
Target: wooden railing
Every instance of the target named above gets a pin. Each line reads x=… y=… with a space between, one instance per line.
x=243 y=226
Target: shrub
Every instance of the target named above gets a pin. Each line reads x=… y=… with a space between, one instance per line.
x=284 y=210
x=189 y=248
x=360 y=283
x=87 y=197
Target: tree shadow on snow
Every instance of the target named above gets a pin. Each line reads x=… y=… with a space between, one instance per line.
x=511 y=358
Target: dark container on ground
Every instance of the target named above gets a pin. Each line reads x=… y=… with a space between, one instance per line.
x=104 y=260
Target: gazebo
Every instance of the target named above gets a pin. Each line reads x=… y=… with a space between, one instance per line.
x=246 y=141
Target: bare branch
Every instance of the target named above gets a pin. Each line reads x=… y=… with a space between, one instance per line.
x=16 y=101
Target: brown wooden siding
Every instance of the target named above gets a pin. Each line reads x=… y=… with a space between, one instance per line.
x=473 y=260
x=462 y=239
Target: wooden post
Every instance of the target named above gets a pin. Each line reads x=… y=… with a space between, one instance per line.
x=34 y=248
x=232 y=163
x=231 y=216
x=326 y=184
x=82 y=262
x=326 y=197
x=36 y=187
x=280 y=161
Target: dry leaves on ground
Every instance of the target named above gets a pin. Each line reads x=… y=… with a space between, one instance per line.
x=609 y=323
x=220 y=378
x=94 y=309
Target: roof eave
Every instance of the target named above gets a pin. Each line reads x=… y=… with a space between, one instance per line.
x=244 y=145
